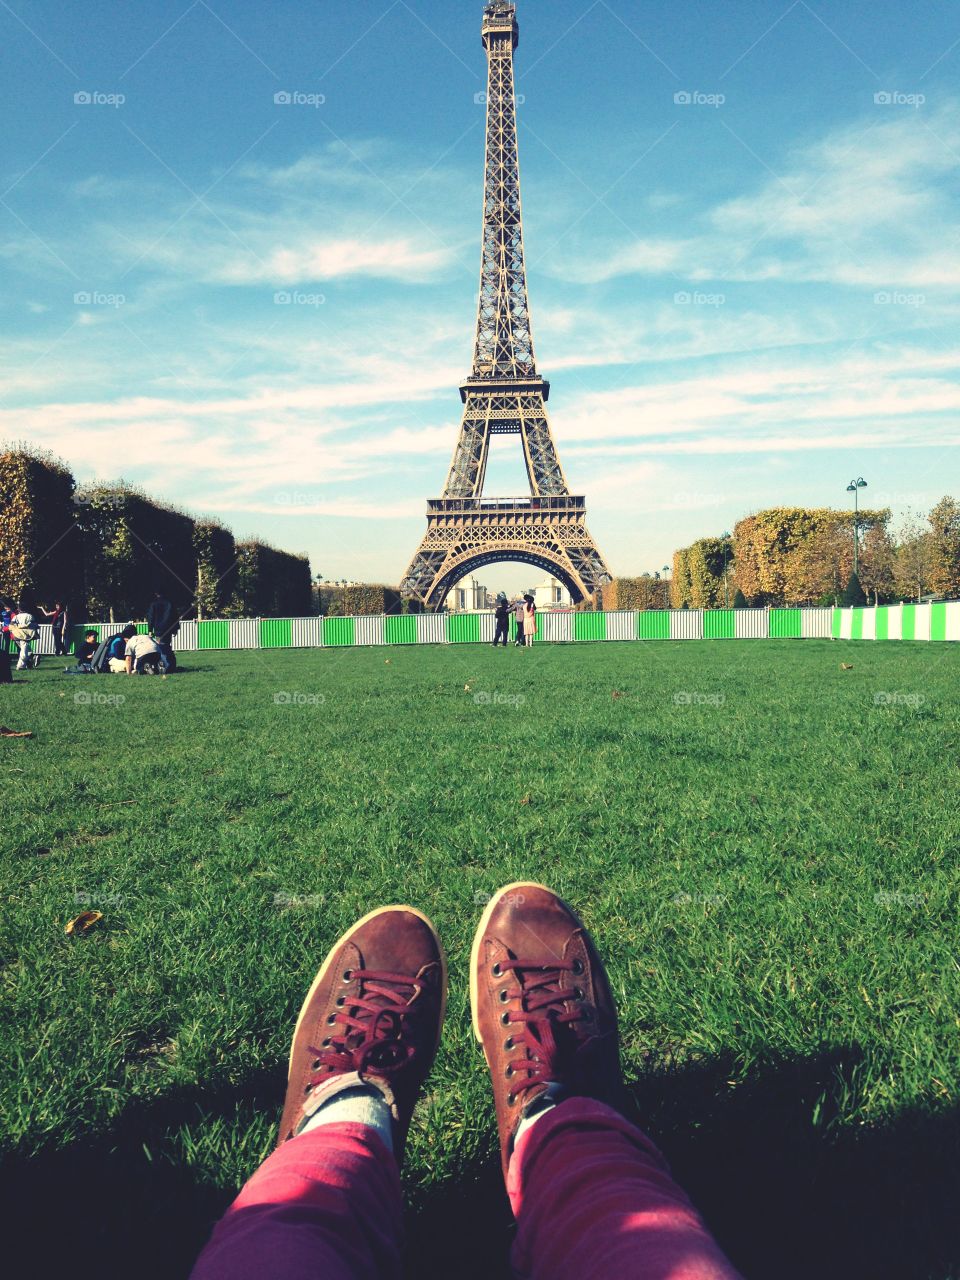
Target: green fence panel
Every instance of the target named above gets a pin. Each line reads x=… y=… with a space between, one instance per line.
x=719 y=624
x=401 y=628
x=338 y=632
x=835 y=623
x=938 y=622
x=856 y=624
x=213 y=635
x=786 y=624
x=589 y=626
x=653 y=624
x=909 y=622
x=463 y=628
x=275 y=633
x=883 y=623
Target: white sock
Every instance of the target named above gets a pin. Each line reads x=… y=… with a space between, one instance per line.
x=363 y=1105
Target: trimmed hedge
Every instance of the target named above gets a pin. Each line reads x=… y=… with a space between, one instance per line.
x=40 y=552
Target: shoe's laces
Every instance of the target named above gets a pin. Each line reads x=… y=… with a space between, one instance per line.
x=371 y=1029
x=552 y=1044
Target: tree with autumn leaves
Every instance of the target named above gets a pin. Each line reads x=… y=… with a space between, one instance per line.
x=803 y=556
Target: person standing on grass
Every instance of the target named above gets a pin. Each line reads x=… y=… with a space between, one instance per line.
x=58 y=621
x=518 y=609
x=6 y=615
x=529 y=620
x=592 y=1195
x=163 y=624
x=502 y=617
x=23 y=629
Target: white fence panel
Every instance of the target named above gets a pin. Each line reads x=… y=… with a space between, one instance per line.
x=846 y=623
x=186 y=637
x=924 y=618
x=895 y=622
x=306 y=633
x=869 y=624
x=622 y=625
x=369 y=630
x=816 y=624
x=751 y=624
x=431 y=628
x=244 y=633
x=953 y=620
x=686 y=624
x=44 y=640
x=554 y=627
x=488 y=627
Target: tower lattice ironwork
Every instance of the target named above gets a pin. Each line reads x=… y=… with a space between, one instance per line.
x=504 y=395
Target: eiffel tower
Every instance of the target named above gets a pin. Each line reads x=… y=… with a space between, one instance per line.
x=504 y=395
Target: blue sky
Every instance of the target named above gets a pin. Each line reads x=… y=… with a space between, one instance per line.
x=740 y=300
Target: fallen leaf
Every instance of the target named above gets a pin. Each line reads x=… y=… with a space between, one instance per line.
x=846 y=666
x=386 y=662
x=525 y=800
x=616 y=693
x=82 y=923
x=466 y=688
x=12 y=733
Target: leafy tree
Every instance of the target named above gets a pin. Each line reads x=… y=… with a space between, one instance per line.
x=853 y=592
x=945 y=547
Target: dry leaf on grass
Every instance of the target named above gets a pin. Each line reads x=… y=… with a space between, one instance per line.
x=82 y=923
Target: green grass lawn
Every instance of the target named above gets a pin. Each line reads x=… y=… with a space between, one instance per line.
x=765 y=847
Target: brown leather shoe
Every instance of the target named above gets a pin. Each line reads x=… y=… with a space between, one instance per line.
x=542 y=1007
x=372 y=1016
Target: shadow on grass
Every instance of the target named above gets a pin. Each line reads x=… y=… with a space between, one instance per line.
x=786 y=1196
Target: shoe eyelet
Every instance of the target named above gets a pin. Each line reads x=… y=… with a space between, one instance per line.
x=577 y=993
x=348 y=975
x=496 y=970
x=578 y=966
x=508 y=1043
x=511 y=1099
x=503 y=995
x=317 y=1064
x=509 y=1071
x=505 y=1018
x=331 y=1019
x=306 y=1090
x=341 y=1001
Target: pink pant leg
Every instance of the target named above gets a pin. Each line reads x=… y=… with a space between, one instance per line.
x=325 y=1206
x=594 y=1200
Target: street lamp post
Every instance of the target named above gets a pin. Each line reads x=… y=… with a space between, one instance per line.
x=854 y=487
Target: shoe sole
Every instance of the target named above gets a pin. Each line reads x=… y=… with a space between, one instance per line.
x=325 y=967
x=482 y=928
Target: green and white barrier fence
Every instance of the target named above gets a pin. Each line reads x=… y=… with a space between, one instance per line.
x=939 y=621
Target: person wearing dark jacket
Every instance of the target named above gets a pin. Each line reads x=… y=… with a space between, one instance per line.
x=163 y=625
x=502 y=617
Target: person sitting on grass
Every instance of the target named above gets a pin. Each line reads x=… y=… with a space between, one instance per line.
x=116 y=653
x=592 y=1195
x=141 y=654
x=82 y=655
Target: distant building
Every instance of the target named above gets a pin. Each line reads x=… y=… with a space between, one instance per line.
x=552 y=594
x=469 y=596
